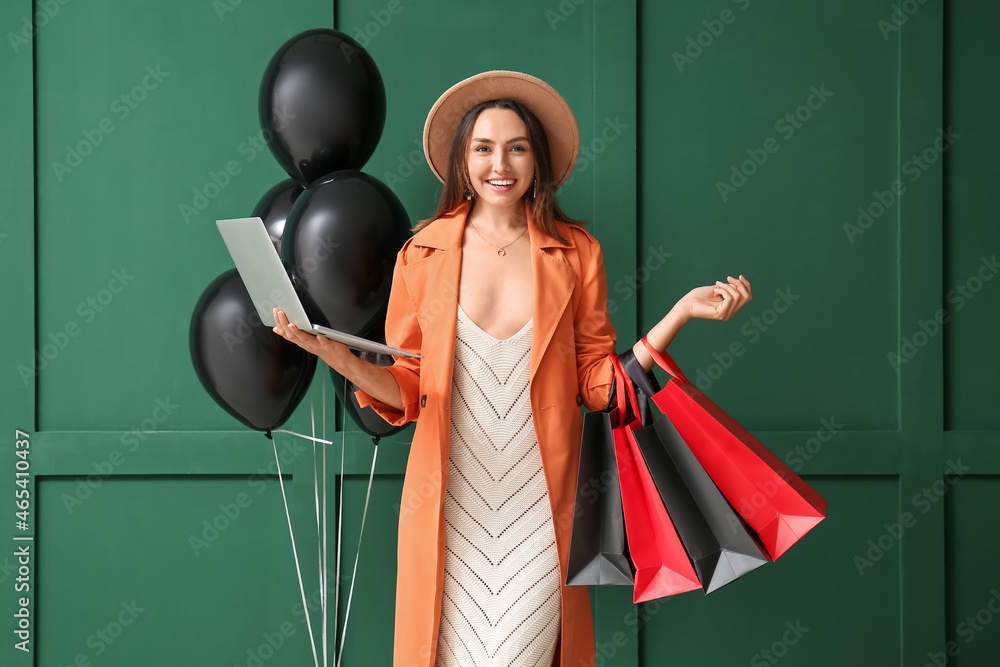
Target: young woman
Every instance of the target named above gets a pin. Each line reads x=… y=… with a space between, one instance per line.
x=505 y=299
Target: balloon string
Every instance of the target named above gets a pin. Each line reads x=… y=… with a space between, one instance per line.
x=340 y=519
x=295 y=554
x=320 y=516
x=315 y=468
x=325 y=568
x=350 y=595
x=323 y=564
x=304 y=437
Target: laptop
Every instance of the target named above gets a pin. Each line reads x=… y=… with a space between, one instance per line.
x=269 y=286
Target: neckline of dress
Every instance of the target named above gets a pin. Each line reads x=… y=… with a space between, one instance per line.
x=514 y=336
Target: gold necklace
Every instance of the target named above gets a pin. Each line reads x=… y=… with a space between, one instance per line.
x=500 y=249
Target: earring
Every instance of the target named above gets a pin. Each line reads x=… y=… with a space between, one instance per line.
x=534 y=192
x=469 y=194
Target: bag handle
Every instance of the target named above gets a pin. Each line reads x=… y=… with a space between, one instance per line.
x=623 y=385
x=664 y=361
x=643 y=382
x=617 y=386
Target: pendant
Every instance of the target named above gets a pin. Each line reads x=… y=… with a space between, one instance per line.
x=501 y=252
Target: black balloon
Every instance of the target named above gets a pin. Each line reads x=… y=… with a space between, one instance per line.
x=254 y=374
x=340 y=242
x=321 y=104
x=365 y=417
x=273 y=209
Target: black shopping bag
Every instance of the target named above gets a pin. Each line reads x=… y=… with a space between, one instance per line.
x=717 y=540
x=598 y=554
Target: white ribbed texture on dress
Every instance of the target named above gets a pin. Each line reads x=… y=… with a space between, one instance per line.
x=501 y=602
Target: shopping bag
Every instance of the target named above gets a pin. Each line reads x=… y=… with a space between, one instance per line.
x=776 y=503
x=598 y=554
x=662 y=566
x=717 y=541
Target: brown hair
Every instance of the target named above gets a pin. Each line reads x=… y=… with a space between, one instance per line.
x=545 y=209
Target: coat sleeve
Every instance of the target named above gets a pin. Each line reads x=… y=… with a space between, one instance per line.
x=595 y=336
x=402 y=330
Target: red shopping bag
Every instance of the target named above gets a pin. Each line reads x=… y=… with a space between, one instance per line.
x=773 y=500
x=662 y=566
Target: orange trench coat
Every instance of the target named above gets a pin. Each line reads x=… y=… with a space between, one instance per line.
x=572 y=337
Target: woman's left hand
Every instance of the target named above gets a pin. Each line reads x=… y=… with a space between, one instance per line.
x=719 y=301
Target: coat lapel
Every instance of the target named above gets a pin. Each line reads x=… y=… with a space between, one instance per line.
x=553 y=286
x=433 y=287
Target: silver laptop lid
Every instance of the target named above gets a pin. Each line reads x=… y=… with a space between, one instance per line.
x=270 y=287
x=262 y=271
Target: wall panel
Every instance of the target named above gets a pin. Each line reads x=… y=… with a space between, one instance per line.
x=163 y=570
x=973 y=619
x=971 y=232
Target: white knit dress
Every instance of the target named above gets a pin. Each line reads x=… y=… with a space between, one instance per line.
x=501 y=602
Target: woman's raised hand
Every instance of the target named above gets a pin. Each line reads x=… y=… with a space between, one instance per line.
x=719 y=301
x=711 y=302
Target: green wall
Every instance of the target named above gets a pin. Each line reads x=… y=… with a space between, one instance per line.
x=159 y=534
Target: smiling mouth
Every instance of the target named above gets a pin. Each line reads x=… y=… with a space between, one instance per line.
x=501 y=183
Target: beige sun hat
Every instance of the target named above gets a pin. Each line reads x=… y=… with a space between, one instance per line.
x=548 y=106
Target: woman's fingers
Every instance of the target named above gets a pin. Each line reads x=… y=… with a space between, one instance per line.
x=732 y=297
x=728 y=289
x=281 y=324
x=722 y=308
x=747 y=284
x=292 y=333
x=742 y=285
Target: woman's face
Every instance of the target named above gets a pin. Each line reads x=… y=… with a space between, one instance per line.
x=500 y=160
